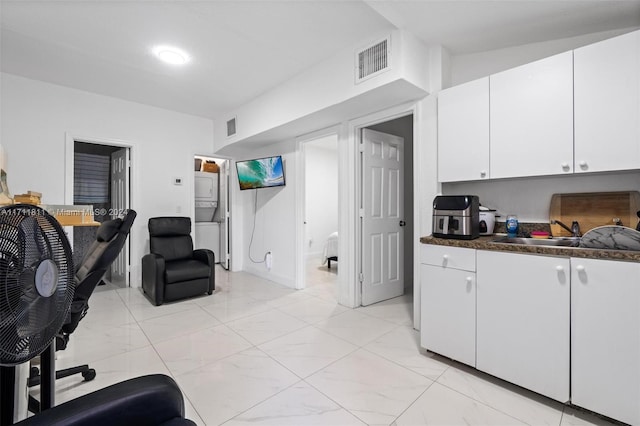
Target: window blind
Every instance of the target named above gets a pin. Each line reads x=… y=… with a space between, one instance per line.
x=91 y=178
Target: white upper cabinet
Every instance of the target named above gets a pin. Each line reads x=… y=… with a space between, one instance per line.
x=607 y=105
x=531 y=120
x=463 y=132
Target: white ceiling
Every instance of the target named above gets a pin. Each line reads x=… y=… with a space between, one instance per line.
x=241 y=49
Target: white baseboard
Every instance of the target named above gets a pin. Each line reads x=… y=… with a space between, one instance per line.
x=309 y=255
x=261 y=271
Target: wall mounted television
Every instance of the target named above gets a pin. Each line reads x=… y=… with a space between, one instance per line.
x=260 y=173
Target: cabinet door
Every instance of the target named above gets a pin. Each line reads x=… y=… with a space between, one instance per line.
x=605 y=337
x=448 y=319
x=523 y=320
x=532 y=119
x=463 y=132
x=607 y=105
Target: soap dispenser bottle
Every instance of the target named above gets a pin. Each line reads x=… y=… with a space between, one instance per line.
x=512 y=225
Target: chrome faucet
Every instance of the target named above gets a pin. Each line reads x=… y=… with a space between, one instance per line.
x=575 y=227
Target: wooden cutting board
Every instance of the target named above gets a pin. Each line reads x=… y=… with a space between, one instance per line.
x=593 y=209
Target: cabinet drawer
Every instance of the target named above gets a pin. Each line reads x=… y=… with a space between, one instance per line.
x=448 y=257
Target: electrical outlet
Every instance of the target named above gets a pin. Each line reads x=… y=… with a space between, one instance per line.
x=268 y=260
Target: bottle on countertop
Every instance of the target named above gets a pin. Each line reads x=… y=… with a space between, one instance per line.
x=512 y=225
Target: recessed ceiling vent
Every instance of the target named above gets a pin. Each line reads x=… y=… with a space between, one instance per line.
x=373 y=60
x=231 y=127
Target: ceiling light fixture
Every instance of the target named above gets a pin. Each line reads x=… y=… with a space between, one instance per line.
x=171 y=55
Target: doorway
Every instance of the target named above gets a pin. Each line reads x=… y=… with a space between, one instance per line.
x=385 y=253
x=398 y=120
x=212 y=207
x=321 y=215
x=101 y=178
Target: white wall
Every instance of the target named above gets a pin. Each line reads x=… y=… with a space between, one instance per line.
x=325 y=85
x=36 y=117
x=321 y=192
x=275 y=220
x=530 y=198
x=472 y=66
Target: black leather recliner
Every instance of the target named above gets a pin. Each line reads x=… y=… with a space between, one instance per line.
x=144 y=401
x=174 y=270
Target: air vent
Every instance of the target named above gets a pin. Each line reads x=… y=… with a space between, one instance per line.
x=373 y=60
x=231 y=127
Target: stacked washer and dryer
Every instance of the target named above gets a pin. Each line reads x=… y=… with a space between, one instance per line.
x=207 y=229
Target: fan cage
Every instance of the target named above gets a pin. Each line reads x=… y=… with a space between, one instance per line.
x=29 y=321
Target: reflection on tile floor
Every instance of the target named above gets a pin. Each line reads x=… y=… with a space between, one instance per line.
x=258 y=353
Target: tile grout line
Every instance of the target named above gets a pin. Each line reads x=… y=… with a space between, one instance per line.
x=164 y=362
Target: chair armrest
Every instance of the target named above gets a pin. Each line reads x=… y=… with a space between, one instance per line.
x=153 y=277
x=143 y=401
x=207 y=256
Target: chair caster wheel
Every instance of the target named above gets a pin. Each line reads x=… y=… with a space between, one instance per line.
x=89 y=375
x=34 y=372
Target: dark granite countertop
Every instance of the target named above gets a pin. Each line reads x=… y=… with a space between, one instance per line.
x=484 y=243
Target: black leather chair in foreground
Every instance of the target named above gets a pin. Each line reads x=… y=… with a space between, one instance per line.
x=144 y=401
x=174 y=270
x=110 y=239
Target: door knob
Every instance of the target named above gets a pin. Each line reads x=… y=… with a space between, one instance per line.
x=403 y=223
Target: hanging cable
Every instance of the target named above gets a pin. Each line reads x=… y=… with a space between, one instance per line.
x=255 y=212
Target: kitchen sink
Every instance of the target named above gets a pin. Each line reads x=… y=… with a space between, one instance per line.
x=548 y=242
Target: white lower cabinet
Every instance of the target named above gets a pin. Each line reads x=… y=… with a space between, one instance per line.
x=448 y=298
x=565 y=328
x=523 y=320
x=605 y=338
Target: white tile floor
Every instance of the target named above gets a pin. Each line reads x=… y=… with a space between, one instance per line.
x=255 y=352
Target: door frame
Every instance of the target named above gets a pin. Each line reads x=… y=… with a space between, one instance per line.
x=70 y=140
x=230 y=192
x=349 y=168
x=351 y=289
x=300 y=197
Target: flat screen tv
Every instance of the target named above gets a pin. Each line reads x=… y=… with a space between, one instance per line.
x=260 y=173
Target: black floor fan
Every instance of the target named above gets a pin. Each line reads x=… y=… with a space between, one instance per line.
x=36 y=290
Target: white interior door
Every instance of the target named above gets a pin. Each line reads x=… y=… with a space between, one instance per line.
x=382 y=272
x=119 y=203
x=223 y=206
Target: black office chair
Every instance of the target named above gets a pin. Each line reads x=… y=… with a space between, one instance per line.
x=144 y=401
x=174 y=270
x=110 y=239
